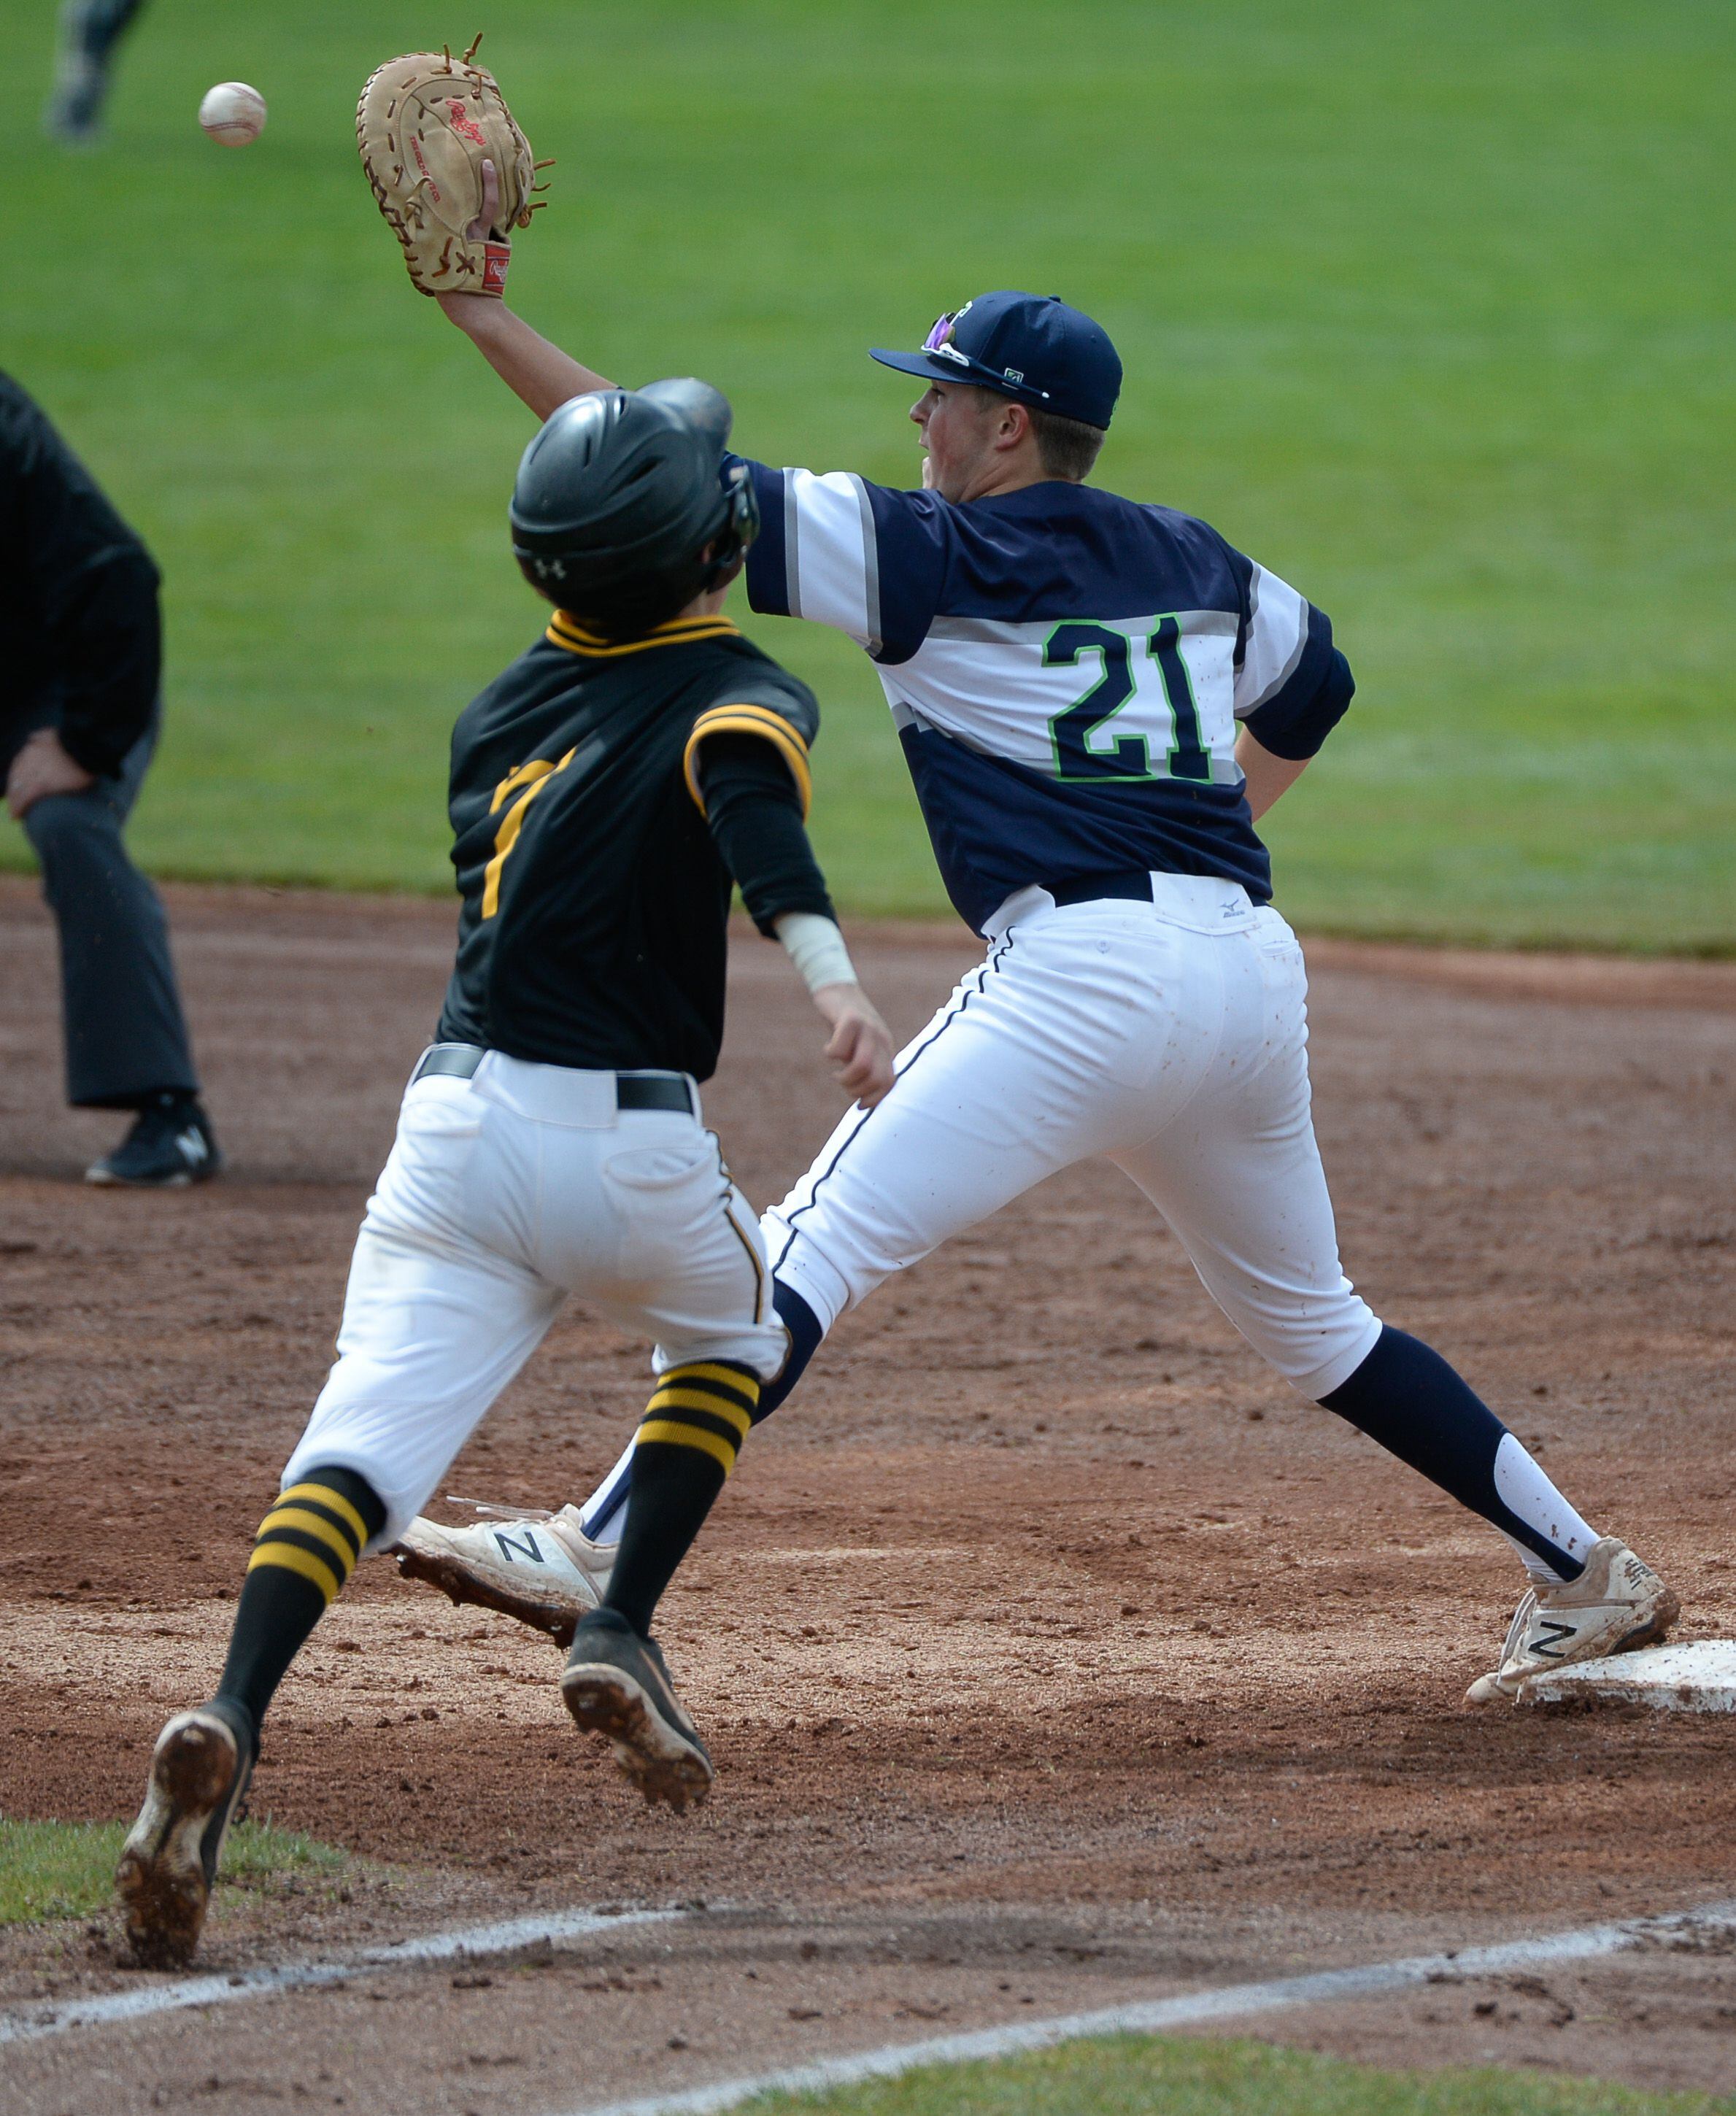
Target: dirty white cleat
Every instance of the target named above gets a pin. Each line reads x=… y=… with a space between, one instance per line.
x=1616 y=1605
x=199 y=1773
x=541 y=1568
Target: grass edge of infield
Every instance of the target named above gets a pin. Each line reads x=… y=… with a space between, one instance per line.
x=1135 y=2075
x=51 y=1870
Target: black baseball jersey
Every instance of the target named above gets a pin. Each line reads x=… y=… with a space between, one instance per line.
x=78 y=599
x=595 y=900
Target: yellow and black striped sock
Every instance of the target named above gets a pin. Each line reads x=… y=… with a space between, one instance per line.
x=686 y=1445
x=708 y=1406
x=306 y=1550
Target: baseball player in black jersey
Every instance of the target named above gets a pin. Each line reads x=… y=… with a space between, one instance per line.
x=605 y=791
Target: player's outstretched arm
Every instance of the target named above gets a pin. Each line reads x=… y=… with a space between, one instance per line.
x=541 y=373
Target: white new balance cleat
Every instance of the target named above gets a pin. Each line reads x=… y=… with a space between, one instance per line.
x=541 y=1568
x=1616 y=1605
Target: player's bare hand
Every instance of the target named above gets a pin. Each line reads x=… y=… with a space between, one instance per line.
x=42 y=767
x=860 y=1045
x=475 y=312
x=483 y=225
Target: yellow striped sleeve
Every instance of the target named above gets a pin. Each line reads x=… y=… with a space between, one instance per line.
x=293 y=1558
x=323 y=1495
x=750 y=720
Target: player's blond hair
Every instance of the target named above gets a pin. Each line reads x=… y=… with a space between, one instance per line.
x=1068 y=447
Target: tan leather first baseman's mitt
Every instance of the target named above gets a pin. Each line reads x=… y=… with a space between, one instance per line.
x=425 y=124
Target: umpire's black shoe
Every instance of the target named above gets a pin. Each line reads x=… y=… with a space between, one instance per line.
x=199 y=1774
x=171 y=1144
x=616 y=1686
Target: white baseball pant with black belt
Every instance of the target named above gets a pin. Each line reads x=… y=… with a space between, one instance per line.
x=504 y=1194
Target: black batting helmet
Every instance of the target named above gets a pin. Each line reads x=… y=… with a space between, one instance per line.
x=619 y=496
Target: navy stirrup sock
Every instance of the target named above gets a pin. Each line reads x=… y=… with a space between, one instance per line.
x=1406 y=1396
x=607 y=1502
x=805 y=1337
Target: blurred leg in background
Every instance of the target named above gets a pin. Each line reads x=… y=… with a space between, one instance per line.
x=90 y=31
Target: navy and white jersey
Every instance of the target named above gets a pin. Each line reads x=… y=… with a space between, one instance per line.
x=1067 y=670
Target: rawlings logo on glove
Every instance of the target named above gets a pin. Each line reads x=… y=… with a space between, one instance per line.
x=461 y=123
x=426 y=125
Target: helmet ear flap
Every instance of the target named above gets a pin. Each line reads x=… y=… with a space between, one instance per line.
x=741 y=524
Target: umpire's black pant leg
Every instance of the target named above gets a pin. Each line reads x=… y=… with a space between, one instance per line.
x=126 y=1035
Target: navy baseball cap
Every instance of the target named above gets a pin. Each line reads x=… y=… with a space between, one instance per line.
x=1031 y=347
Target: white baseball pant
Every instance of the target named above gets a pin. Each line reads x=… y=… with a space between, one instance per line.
x=503 y=1194
x=1171 y=1037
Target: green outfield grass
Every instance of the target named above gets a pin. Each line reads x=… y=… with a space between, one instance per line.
x=1151 y=2076
x=64 y=1869
x=1430 y=308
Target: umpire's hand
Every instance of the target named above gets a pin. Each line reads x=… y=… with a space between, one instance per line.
x=40 y=768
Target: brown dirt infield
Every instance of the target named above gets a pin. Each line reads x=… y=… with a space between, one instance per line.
x=1049 y=1648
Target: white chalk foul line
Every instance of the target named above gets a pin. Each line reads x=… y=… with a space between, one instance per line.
x=1187 y=2010
x=465 y=1942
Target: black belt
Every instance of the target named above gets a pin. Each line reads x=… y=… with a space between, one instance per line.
x=632 y=1090
x=1135 y=883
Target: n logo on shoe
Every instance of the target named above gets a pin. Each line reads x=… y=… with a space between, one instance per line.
x=527 y=1550
x=1550 y=1645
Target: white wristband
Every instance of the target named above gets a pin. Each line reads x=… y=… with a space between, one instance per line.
x=816 y=946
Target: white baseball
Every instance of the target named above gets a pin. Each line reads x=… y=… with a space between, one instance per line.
x=233 y=113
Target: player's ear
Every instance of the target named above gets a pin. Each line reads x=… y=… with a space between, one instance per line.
x=721 y=575
x=1016 y=423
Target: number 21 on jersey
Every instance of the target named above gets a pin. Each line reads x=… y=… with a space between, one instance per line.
x=1144 y=698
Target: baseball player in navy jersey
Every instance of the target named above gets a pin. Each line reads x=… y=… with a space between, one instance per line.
x=1097 y=700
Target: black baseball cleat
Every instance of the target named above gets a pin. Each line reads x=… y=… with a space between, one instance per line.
x=199 y=1774
x=170 y=1145
x=615 y=1685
